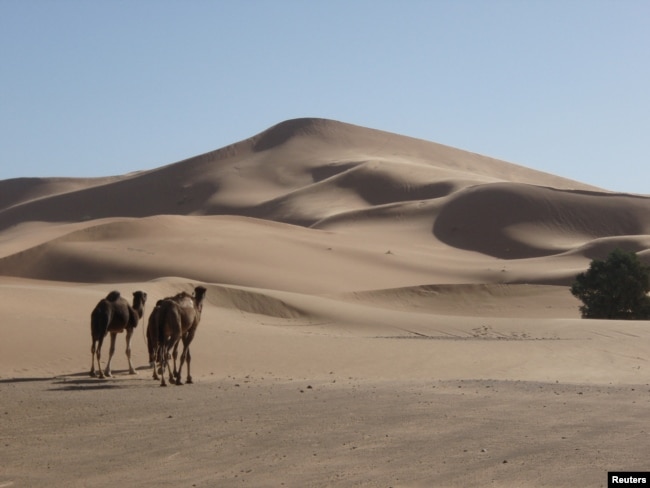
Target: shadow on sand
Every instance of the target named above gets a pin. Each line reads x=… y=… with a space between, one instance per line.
x=63 y=384
x=67 y=382
x=81 y=381
x=25 y=380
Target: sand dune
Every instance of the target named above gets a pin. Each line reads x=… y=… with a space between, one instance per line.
x=289 y=157
x=358 y=281
x=513 y=221
x=21 y=190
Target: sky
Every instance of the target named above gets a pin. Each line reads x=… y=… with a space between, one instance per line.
x=99 y=88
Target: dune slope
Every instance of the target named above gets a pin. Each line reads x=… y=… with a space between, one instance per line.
x=418 y=202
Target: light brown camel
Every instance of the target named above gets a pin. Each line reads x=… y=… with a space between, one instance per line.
x=114 y=314
x=176 y=320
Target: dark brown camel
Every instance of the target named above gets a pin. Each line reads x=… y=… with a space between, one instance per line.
x=176 y=320
x=156 y=342
x=114 y=314
x=168 y=332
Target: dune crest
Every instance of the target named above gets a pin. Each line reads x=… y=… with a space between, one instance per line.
x=293 y=156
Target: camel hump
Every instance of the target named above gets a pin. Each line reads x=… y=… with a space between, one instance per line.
x=113 y=296
x=181 y=296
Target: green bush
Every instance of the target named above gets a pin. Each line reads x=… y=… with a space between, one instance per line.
x=614 y=288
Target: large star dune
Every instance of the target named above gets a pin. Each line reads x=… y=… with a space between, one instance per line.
x=348 y=270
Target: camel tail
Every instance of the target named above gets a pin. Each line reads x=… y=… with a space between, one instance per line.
x=165 y=317
x=152 y=331
x=100 y=318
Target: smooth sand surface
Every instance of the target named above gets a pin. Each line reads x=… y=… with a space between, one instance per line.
x=381 y=311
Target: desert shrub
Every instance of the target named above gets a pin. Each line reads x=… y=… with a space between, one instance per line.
x=614 y=288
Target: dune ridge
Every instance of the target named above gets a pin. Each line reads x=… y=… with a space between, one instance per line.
x=240 y=177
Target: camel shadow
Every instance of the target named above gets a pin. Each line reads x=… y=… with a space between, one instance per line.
x=67 y=384
x=26 y=380
x=84 y=385
x=82 y=382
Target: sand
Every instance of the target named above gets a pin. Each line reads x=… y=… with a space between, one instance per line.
x=381 y=311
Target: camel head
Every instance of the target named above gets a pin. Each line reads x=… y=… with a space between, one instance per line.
x=199 y=295
x=139 y=299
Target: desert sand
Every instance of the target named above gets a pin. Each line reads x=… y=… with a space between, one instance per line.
x=381 y=311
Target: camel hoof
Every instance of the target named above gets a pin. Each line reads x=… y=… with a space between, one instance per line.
x=189 y=381
x=163 y=384
x=133 y=372
x=93 y=375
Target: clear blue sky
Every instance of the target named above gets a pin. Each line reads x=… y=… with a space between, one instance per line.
x=94 y=88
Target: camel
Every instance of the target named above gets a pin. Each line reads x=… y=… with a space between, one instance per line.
x=114 y=314
x=167 y=333
x=175 y=321
x=154 y=345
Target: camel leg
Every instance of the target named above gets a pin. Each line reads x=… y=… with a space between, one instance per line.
x=172 y=374
x=111 y=351
x=154 y=356
x=180 y=367
x=151 y=347
x=164 y=361
x=92 y=366
x=164 y=364
x=160 y=352
x=189 y=360
x=187 y=357
x=175 y=355
x=167 y=357
x=129 y=335
x=96 y=349
x=180 y=364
